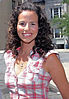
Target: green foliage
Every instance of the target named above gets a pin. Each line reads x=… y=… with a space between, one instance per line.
x=62 y=23
x=66 y=1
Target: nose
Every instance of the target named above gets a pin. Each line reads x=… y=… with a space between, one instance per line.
x=27 y=27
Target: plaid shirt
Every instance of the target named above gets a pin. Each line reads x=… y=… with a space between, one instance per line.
x=32 y=82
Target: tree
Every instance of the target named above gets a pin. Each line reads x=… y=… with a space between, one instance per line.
x=62 y=23
x=66 y=1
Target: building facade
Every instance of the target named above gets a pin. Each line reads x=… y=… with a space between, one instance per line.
x=51 y=7
x=55 y=8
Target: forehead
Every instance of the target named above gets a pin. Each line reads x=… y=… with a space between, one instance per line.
x=27 y=14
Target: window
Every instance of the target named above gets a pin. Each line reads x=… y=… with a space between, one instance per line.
x=57 y=33
x=55 y=12
x=38 y=0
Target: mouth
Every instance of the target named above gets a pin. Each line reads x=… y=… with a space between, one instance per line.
x=27 y=34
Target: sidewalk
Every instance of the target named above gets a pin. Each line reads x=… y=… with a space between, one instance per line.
x=53 y=93
x=62 y=50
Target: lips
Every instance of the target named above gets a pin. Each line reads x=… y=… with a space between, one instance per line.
x=27 y=34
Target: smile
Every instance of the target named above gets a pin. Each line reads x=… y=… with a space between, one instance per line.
x=27 y=34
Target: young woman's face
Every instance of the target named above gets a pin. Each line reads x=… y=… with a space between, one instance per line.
x=27 y=26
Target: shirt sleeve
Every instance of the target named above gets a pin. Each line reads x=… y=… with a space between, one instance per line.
x=52 y=52
x=8 y=57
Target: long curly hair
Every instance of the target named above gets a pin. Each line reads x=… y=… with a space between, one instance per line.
x=43 y=40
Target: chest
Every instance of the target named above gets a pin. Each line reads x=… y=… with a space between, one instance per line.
x=32 y=73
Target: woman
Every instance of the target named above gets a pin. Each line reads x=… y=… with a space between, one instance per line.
x=30 y=58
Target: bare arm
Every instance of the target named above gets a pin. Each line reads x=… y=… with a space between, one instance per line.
x=55 y=68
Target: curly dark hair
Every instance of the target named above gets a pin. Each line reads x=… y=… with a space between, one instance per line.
x=43 y=41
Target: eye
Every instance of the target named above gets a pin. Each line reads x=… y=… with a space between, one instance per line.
x=22 y=23
x=32 y=23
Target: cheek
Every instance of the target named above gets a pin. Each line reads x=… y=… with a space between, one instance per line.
x=19 y=28
x=35 y=29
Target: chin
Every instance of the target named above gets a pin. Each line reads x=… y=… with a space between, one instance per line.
x=28 y=42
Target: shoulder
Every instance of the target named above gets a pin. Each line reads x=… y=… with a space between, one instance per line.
x=7 y=54
x=51 y=52
x=52 y=55
x=9 y=58
x=51 y=60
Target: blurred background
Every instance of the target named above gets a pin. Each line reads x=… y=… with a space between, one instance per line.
x=57 y=12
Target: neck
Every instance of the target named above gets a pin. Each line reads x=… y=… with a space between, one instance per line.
x=26 y=47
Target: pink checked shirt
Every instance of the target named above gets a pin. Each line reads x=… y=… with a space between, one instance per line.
x=32 y=82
